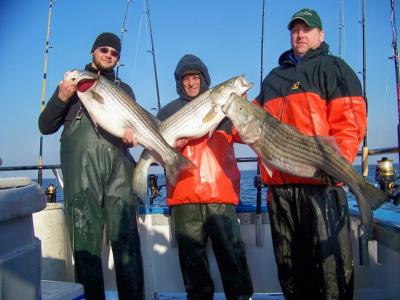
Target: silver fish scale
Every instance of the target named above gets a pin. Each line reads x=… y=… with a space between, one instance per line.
x=139 y=119
x=204 y=102
x=293 y=146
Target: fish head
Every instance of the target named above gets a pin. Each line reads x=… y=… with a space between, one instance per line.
x=235 y=109
x=238 y=85
x=84 y=80
x=244 y=118
x=242 y=84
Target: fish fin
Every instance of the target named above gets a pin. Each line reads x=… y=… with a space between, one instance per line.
x=268 y=169
x=209 y=116
x=96 y=96
x=331 y=141
x=176 y=166
x=139 y=176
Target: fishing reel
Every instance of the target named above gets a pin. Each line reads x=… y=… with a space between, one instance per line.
x=154 y=187
x=385 y=175
x=51 y=193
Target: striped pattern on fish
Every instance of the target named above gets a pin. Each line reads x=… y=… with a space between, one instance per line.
x=282 y=147
x=197 y=118
x=112 y=108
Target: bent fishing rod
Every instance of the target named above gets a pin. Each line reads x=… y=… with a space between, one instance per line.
x=46 y=52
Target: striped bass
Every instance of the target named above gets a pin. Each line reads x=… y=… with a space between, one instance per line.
x=197 y=118
x=284 y=148
x=111 y=108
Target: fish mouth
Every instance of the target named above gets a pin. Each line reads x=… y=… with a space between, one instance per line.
x=84 y=84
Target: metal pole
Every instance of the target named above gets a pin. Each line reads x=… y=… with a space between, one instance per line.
x=46 y=52
x=153 y=54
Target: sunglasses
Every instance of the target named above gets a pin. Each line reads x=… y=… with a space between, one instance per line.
x=106 y=50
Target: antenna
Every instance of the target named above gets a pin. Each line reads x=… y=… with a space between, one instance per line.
x=46 y=52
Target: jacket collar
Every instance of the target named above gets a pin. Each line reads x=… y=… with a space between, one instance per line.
x=288 y=56
x=109 y=74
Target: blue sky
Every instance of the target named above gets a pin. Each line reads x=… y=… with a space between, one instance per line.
x=224 y=34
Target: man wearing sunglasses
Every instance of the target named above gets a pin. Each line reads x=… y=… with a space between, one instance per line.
x=97 y=171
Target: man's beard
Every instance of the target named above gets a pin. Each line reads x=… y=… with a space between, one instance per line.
x=99 y=65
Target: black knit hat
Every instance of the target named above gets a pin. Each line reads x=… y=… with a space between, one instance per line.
x=107 y=39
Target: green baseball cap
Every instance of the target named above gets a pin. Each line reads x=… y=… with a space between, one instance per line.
x=308 y=16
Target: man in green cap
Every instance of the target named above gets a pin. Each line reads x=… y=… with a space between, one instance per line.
x=320 y=95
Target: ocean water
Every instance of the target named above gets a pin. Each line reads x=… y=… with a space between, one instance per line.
x=248 y=193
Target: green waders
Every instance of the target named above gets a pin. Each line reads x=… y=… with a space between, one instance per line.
x=310 y=233
x=194 y=224
x=98 y=195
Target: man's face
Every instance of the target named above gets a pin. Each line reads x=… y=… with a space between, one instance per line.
x=304 y=38
x=191 y=84
x=105 y=58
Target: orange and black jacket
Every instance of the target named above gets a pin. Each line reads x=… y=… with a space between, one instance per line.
x=320 y=96
x=216 y=178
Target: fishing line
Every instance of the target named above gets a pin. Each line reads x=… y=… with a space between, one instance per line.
x=341 y=29
x=137 y=45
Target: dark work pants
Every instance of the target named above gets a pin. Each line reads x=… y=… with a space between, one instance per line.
x=310 y=231
x=98 y=195
x=194 y=224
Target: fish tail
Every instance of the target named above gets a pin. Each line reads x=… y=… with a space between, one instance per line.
x=176 y=166
x=373 y=195
x=139 y=177
x=369 y=198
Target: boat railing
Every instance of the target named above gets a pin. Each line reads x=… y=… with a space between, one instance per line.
x=381 y=228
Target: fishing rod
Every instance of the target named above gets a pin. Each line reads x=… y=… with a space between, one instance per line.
x=364 y=160
x=153 y=54
x=364 y=233
x=46 y=52
x=257 y=178
x=123 y=30
x=395 y=57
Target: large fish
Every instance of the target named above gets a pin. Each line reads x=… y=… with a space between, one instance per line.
x=282 y=147
x=111 y=108
x=197 y=118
